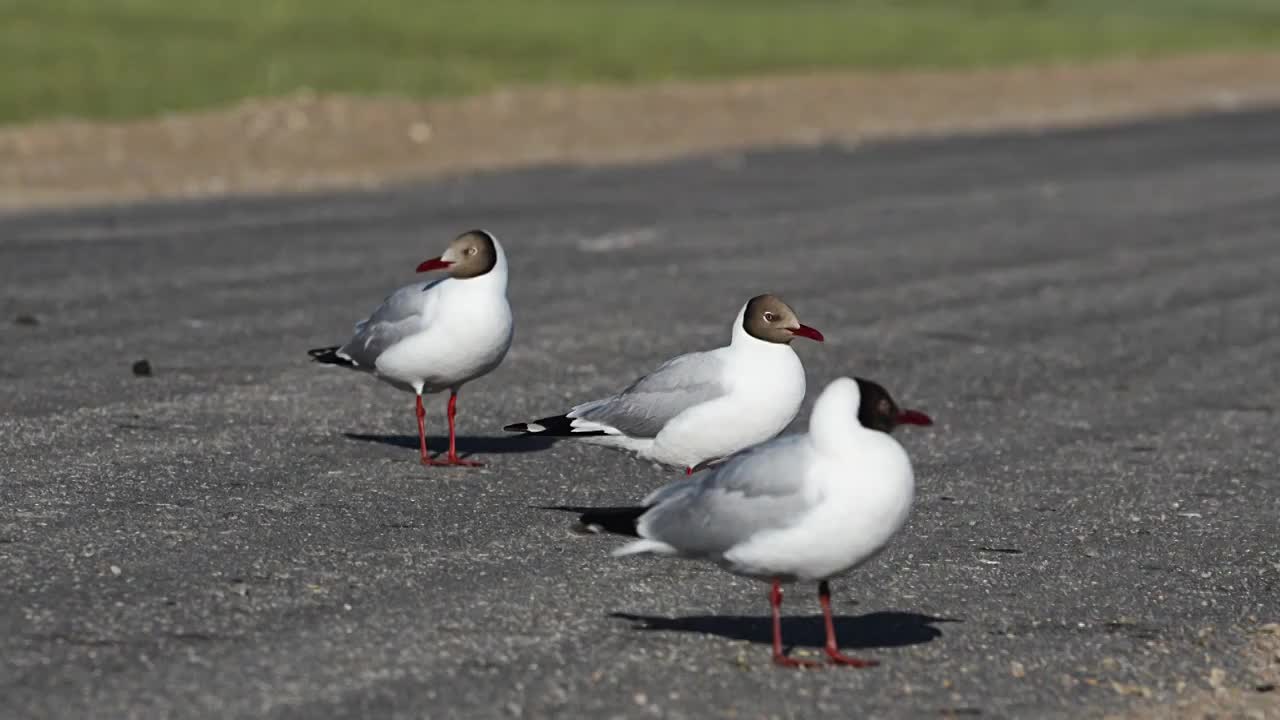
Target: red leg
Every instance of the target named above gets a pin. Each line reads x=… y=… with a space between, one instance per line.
x=688 y=470
x=453 y=449
x=422 y=434
x=833 y=648
x=775 y=599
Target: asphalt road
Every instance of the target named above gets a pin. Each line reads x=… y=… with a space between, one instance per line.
x=1093 y=318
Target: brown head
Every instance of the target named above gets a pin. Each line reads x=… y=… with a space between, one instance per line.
x=768 y=318
x=471 y=254
x=878 y=411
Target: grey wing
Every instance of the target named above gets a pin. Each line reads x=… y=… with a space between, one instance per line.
x=758 y=489
x=400 y=315
x=649 y=403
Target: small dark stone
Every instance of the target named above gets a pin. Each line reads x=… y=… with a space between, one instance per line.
x=28 y=320
x=1266 y=687
x=142 y=368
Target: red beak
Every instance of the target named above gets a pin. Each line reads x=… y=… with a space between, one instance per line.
x=914 y=417
x=806 y=331
x=433 y=264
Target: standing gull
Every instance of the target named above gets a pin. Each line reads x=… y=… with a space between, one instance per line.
x=437 y=336
x=704 y=405
x=801 y=508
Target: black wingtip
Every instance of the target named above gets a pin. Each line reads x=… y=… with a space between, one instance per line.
x=329 y=356
x=554 y=426
x=613 y=520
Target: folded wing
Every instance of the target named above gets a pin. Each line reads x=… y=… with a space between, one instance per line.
x=756 y=490
x=649 y=403
x=403 y=313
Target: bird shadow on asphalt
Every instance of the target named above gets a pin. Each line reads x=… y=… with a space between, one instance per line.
x=467 y=444
x=872 y=630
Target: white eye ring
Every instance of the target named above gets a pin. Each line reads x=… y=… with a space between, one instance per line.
x=770 y=317
x=471 y=251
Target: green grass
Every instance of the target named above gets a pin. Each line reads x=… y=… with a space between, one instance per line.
x=122 y=58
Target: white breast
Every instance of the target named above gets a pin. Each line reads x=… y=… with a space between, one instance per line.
x=767 y=386
x=466 y=335
x=862 y=501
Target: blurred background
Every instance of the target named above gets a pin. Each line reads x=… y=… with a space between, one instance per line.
x=322 y=93
x=131 y=58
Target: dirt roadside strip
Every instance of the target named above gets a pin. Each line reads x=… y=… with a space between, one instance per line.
x=1253 y=698
x=310 y=142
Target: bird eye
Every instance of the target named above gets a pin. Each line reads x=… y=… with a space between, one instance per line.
x=770 y=317
x=471 y=251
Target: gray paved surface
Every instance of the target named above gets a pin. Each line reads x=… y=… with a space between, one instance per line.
x=1092 y=318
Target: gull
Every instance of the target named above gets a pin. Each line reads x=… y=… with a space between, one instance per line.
x=437 y=336
x=802 y=508
x=701 y=406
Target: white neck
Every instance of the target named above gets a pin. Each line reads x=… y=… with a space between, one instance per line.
x=833 y=423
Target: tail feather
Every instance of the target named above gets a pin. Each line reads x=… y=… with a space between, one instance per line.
x=612 y=520
x=638 y=547
x=554 y=426
x=330 y=356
